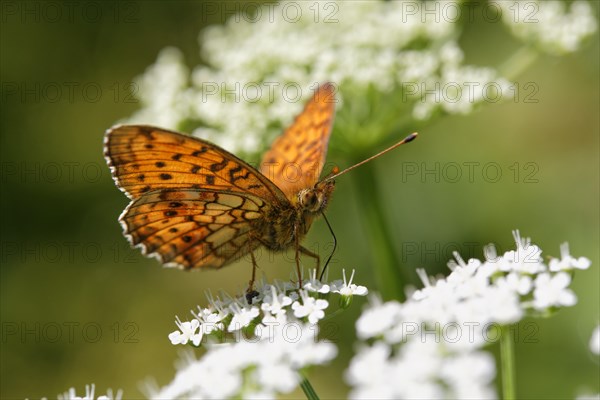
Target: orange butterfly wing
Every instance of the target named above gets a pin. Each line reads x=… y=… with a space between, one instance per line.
x=192 y=228
x=194 y=205
x=296 y=158
x=144 y=158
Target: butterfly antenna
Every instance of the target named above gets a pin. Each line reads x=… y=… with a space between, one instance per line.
x=407 y=139
x=334 y=247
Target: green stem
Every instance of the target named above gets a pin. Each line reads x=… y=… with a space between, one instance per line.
x=333 y=314
x=507 y=360
x=518 y=62
x=388 y=271
x=308 y=390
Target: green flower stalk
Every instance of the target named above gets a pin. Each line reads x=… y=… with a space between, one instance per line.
x=507 y=362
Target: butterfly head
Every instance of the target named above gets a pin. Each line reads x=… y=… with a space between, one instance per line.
x=314 y=200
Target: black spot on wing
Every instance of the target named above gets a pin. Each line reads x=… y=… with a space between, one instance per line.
x=218 y=166
x=203 y=150
x=233 y=171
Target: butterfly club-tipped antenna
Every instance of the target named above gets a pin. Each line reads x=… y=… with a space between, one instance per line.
x=407 y=139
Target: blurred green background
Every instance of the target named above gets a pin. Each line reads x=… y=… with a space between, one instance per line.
x=79 y=306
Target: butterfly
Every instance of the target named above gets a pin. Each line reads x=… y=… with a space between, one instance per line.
x=195 y=205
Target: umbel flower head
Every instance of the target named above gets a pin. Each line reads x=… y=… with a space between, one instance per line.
x=258 y=349
x=278 y=303
x=435 y=340
x=551 y=26
x=260 y=367
x=260 y=70
x=398 y=58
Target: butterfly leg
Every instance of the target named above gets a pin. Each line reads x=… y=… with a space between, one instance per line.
x=309 y=253
x=250 y=292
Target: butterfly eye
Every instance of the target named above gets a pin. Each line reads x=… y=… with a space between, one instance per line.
x=309 y=200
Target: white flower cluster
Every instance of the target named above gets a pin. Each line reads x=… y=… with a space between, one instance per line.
x=89 y=394
x=548 y=25
x=420 y=370
x=261 y=347
x=272 y=304
x=259 y=368
x=433 y=342
x=260 y=70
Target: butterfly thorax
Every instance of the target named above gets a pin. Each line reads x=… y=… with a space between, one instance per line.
x=284 y=226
